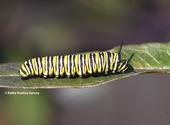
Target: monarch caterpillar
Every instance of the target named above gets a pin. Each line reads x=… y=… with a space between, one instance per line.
x=75 y=65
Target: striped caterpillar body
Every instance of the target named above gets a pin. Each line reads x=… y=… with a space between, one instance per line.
x=74 y=65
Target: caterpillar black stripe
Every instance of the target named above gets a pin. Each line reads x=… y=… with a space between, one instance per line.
x=76 y=64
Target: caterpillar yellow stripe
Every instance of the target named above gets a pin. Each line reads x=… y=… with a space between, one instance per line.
x=74 y=65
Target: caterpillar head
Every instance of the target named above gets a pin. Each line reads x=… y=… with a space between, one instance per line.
x=123 y=64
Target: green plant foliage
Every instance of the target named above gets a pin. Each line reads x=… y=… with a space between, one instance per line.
x=148 y=57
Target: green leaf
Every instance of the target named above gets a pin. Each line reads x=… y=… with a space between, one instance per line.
x=149 y=57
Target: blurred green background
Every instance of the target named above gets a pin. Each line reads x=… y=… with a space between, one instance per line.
x=37 y=28
x=29 y=28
